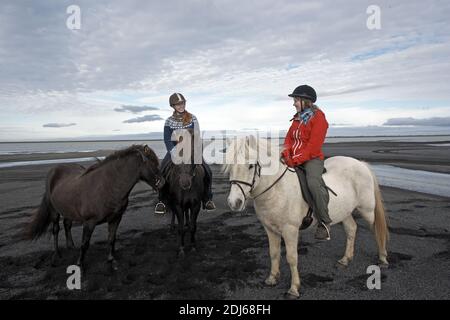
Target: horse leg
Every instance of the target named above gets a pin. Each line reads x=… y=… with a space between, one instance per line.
x=180 y=217
x=172 y=222
x=112 y=229
x=88 y=228
x=67 y=230
x=369 y=216
x=350 y=227
x=55 y=231
x=274 y=249
x=193 y=225
x=290 y=236
x=187 y=218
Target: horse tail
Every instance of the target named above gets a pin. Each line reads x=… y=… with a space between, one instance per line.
x=41 y=218
x=380 y=223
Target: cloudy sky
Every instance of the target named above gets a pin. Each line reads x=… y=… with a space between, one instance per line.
x=235 y=62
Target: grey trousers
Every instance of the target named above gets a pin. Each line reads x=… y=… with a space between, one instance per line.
x=314 y=170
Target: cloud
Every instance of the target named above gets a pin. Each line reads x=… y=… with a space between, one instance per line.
x=135 y=109
x=350 y=90
x=58 y=125
x=435 y=121
x=229 y=58
x=150 y=117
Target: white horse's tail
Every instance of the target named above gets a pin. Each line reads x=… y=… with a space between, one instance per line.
x=380 y=223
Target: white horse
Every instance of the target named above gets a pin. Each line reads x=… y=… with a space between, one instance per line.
x=280 y=207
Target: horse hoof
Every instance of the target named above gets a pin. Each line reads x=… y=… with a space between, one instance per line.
x=114 y=265
x=181 y=254
x=194 y=249
x=271 y=281
x=291 y=295
x=82 y=267
x=54 y=262
x=55 y=259
x=341 y=264
x=383 y=265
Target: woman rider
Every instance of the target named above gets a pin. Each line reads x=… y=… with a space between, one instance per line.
x=303 y=146
x=182 y=119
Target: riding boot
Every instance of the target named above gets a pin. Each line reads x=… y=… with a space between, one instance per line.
x=322 y=231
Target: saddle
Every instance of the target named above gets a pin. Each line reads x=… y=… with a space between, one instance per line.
x=307 y=220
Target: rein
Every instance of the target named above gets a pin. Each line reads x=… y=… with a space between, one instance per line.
x=252 y=185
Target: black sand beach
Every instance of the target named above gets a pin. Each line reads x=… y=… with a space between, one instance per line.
x=232 y=260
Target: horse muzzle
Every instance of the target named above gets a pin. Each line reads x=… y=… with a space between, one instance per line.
x=236 y=205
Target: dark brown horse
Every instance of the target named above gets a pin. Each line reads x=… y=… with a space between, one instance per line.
x=93 y=196
x=183 y=192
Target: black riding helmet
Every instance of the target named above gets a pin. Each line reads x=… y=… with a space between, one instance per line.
x=304 y=91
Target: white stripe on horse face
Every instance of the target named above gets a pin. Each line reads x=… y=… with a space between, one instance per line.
x=236 y=200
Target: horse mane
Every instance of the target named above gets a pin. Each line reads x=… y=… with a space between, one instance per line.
x=118 y=155
x=241 y=150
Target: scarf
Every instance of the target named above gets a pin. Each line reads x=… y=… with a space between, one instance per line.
x=306 y=114
x=186 y=117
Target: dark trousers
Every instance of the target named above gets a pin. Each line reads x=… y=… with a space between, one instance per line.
x=165 y=164
x=316 y=185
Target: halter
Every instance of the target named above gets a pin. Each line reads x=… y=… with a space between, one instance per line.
x=252 y=185
x=145 y=160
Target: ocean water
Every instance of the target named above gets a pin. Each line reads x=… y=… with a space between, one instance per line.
x=71 y=146
x=159 y=148
x=414 y=180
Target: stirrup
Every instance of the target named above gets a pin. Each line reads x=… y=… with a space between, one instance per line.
x=160 y=212
x=213 y=205
x=326 y=229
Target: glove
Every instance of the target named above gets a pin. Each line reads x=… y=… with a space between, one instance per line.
x=289 y=162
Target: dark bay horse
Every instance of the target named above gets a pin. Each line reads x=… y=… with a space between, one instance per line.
x=183 y=191
x=93 y=196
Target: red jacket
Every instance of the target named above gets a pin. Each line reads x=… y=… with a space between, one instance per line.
x=304 y=142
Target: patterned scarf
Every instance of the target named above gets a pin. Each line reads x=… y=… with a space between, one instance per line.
x=306 y=114
x=186 y=117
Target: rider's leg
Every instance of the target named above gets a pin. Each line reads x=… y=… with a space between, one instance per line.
x=319 y=193
x=160 y=207
x=208 y=203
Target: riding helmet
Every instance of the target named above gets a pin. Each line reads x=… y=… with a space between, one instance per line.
x=176 y=98
x=306 y=92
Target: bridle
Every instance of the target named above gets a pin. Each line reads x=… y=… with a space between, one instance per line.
x=145 y=159
x=257 y=172
x=238 y=183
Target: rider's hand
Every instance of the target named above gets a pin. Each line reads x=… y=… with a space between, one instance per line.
x=290 y=163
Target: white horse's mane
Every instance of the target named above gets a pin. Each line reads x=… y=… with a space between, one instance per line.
x=246 y=149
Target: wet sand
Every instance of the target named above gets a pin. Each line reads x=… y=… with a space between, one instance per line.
x=232 y=259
